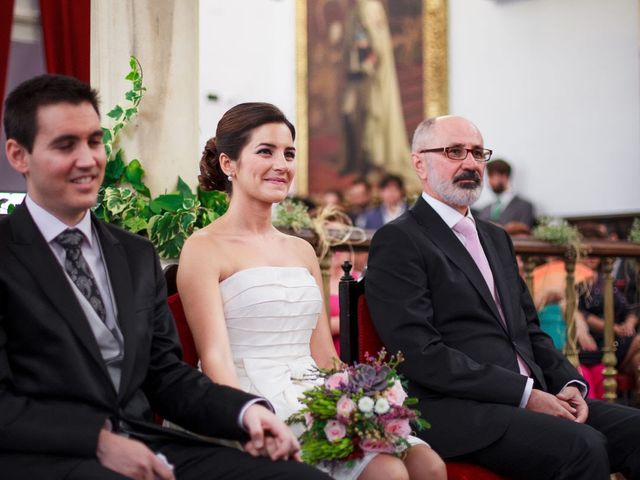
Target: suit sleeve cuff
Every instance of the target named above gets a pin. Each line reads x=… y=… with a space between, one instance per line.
x=527 y=393
x=265 y=403
x=584 y=389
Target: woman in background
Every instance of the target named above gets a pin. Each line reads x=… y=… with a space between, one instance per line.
x=252 y=294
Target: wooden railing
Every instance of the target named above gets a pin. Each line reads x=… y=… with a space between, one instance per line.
x=533 y=253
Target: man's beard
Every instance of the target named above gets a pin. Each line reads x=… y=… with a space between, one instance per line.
x=499 y=188
x=451 y=192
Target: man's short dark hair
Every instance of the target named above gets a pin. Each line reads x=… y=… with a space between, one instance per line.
x=361 y=181
x=388 y=179
x=21 y=106
x=499 y=166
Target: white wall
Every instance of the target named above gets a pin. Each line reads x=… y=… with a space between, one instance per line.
x=554 y=86
x=247 y=53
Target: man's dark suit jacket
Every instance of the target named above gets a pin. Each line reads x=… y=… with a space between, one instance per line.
x=55 y=392
x=517 y=210
x=429 y=300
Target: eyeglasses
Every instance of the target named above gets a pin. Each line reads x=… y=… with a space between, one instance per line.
x=460 y=153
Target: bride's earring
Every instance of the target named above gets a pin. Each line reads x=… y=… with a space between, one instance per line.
x=230 y=178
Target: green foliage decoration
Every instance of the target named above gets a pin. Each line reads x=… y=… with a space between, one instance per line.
x=559 y=232
x=292 y=214
x=634 y=234
x=124 y=199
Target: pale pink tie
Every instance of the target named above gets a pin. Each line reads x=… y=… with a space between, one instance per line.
x=467 y=229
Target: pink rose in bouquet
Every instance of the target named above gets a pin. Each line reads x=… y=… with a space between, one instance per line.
x=308 y=419
x=337 y=380
x=334 y=430
x=377 y=446
x=398 y=427
x=396 y=394
x=345 y=406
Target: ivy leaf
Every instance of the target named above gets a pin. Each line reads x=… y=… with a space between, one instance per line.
x=116 y=112
x=130 y=112
x=169 y=231
x=189 y=203
x=106 y=135
x=171 y=202
x=184 y=189
x=114 y=169
x=134 y=173
x=131 y=95
x=11 y=208
x=213 y=200
x=135 y=224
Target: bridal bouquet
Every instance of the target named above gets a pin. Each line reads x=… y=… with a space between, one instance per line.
x=357 y=409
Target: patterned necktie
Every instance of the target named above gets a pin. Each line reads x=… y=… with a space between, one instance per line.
x=467 y=229
x=78 y=269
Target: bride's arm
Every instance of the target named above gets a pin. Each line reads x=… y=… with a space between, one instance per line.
x=199 y=288
x=322 y=349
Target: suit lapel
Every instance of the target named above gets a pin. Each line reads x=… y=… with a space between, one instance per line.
x=30 y=247
x=442 y=236
x=115 y=261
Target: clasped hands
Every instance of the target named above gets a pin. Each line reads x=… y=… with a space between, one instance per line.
x=567 y=404
x=269 y=437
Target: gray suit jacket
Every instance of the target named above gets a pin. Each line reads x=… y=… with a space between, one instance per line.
x=518 y=210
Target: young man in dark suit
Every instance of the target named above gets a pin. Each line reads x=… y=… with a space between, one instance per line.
x=88 y=348
x=444 y=289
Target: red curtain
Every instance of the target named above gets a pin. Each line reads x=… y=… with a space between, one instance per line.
x=66 y=32
x=6 y=20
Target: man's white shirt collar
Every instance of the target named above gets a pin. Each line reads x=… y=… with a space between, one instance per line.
x=449 y=214
x=51 y=227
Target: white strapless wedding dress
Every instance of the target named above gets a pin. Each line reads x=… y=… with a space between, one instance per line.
x=270 y=314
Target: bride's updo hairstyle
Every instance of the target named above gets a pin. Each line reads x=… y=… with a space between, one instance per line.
x=232 y=135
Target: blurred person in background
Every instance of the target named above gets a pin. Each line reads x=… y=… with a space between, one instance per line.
x=506 y=207
x=392 y=194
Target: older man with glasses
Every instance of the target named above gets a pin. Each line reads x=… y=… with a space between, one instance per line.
x=444 y=289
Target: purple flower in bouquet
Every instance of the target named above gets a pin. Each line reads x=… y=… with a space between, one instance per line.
x=370 y=379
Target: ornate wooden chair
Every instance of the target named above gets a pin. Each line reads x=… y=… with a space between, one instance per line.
x=358 y=336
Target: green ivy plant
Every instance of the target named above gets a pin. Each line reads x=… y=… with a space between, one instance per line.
x=124 y=199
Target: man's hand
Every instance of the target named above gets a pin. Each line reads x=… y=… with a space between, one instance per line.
x=573 y=397
x=281 y=444
x=544 y=402
x=130 y=458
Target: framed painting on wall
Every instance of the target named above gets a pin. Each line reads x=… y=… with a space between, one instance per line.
x=368 y=71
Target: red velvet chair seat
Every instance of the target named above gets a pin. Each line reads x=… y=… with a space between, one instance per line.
x=189 y=353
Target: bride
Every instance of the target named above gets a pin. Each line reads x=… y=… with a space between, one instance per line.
x=252 y=294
